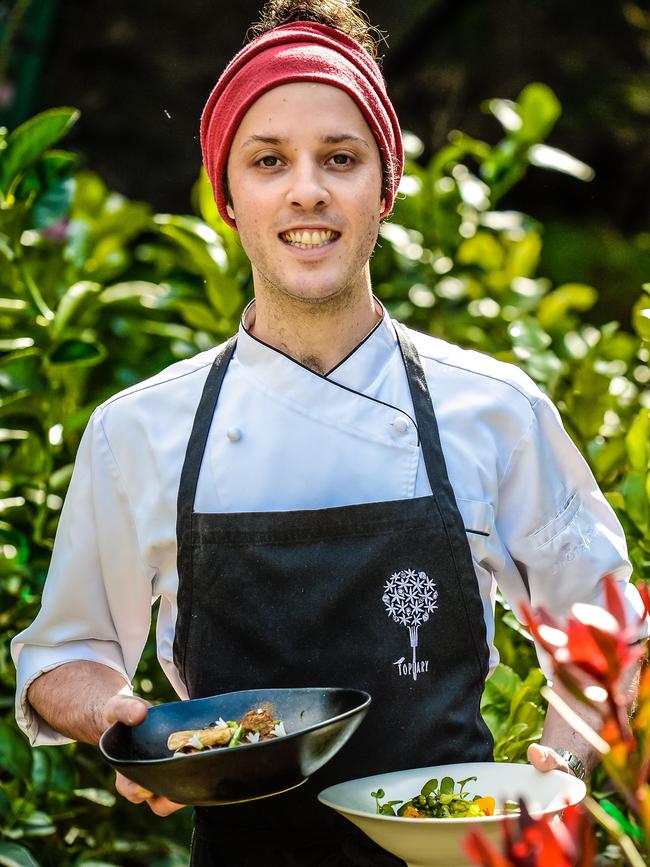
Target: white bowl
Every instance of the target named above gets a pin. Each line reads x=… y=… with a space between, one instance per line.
x=439 y=842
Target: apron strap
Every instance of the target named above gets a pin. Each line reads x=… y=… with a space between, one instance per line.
x=434 y=459
x=196 y=446
x=436 y=467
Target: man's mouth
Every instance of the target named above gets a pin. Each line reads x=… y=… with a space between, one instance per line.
x=309 y=239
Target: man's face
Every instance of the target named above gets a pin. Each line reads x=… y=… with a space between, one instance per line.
x=305 y=180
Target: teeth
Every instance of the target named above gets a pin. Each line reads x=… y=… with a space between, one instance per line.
x=309 y=239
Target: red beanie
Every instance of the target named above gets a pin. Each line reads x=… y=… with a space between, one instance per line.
x=300 y=51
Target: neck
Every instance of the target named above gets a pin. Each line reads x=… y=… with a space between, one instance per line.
x=319 y=336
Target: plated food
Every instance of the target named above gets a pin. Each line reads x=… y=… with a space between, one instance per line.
x=437 y=841
x=254 y=726
x=440 y=801
x=317 y=720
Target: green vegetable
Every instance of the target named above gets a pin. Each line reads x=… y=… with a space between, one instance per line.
x=236 y=738
x=439 y=801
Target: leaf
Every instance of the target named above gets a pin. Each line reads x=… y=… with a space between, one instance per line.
x=429 y=787
x=64 y=774
x=28 y=141
x=463 y=783
x=446 y=786
x=97 y=796
x=546 y=157
x=207 y=205
x=77 y=353
x=523 y=256
x=107 y=864
x=636 y=499
x=139 y=293
x=607 y=458
x=53 y=203
x=482 y=250
x=38 y=824
x=72 y=302
x=641 y=318
x=15 y=753
x=5 y=803
x=501 y=686
x=637 y=441
x=41 y=770
x=539 y=108
x=570 y=296
x=527 y=335
x=625 y=824
x=14 y=306
x=13 y=855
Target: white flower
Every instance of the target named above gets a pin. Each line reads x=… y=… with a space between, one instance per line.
x=253 y=737
x=278 y=730
x=221 y=723
x=409 y=597
x=195 y=742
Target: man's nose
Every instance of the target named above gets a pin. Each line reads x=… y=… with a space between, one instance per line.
x=308 y=186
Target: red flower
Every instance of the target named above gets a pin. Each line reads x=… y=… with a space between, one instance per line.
x=544 y=842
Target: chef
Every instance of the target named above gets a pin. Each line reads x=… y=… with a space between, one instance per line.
x=328 y=498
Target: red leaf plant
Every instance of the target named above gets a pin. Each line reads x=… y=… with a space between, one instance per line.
x=593 y=655
x=543 y=842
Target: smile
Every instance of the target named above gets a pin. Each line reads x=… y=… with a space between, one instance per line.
x=307 y=240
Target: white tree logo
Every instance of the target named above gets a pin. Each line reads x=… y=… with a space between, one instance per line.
x=410 y=597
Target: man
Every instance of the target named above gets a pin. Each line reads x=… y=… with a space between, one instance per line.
x=275 y=491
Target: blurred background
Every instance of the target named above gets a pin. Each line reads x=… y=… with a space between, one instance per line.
x=140 y=73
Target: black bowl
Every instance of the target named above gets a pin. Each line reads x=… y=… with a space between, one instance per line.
x=318 y=722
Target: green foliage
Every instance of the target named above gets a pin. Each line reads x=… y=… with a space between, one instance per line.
x=513 y=711
x=97 y=292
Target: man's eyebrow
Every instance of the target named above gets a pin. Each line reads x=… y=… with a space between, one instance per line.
x=346 y=136
x=264 y=139
x=326 y=139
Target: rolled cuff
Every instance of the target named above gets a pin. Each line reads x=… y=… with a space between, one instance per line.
x=32 y=661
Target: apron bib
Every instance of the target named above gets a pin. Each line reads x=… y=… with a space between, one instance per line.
x=378 y=596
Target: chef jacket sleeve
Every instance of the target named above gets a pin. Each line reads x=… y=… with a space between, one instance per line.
x=561 y=536
x=97 y=598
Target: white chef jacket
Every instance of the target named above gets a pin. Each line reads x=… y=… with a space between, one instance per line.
x=286 y=438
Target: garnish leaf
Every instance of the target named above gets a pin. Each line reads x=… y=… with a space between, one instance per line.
x=447 y=786
x=462 y=783
x=429 y=787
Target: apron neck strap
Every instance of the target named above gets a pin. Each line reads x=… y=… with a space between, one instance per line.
x=434 y=459
x=199 y=437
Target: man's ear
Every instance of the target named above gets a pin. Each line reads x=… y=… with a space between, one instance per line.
x=382 y=205
x=230 y=212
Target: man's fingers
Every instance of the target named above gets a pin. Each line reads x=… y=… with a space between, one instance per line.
x=137 y=794
x=128 y=709
x=162 y=806
x=546 y=759
x=132 y=791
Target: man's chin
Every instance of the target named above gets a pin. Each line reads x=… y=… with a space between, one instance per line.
x=317 y=297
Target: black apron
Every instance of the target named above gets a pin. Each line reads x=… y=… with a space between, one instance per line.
x=378 y=596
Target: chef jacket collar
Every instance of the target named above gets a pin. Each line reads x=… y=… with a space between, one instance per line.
x=359 y=370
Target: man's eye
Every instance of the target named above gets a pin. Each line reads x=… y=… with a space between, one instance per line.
x=342 y=159
x=268 y=162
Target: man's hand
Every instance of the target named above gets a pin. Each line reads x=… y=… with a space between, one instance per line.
x=546 y=759
x=132 y=710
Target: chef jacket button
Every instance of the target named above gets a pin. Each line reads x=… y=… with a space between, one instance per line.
x=401 y=424
x=233 y=434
